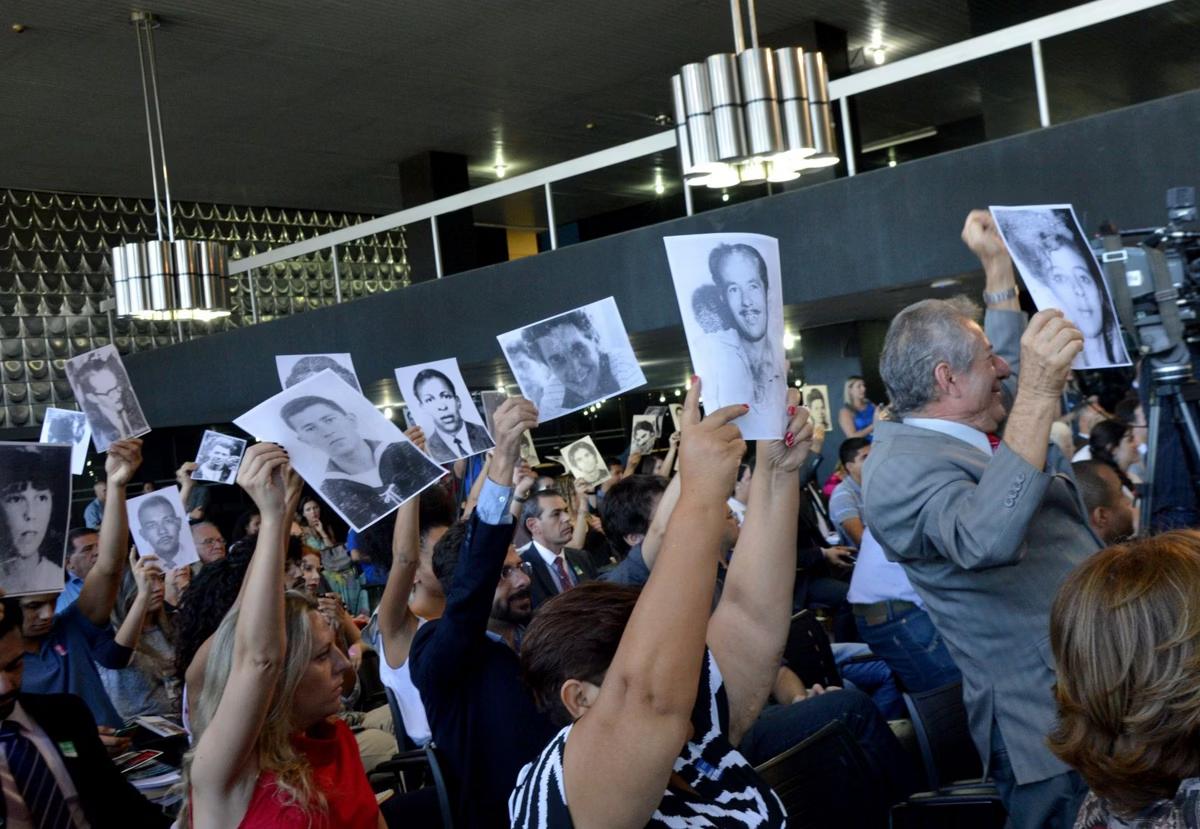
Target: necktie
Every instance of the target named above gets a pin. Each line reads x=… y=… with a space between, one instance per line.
x=458 y=445
x=43 y=798
x=994 y=440
x=563 y=576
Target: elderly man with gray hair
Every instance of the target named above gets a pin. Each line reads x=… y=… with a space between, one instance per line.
x=986 y=528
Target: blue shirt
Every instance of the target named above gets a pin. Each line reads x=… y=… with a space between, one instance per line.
x=845 y=502
x=70 y=593
x=62 y=664
x=92 y=514
x=631 y=571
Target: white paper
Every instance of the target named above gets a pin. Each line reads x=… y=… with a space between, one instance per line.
x=35 y=513
x=572 y=360
x=734 y=324
x=219 y=458
x=1059 y=270
x=816 y=398
x=584 y=461
x=294 y=368
x=159 y=524
x=437 y=397
x=358 y=460
x=104 y=393
x=66 y=426
x=643 y=434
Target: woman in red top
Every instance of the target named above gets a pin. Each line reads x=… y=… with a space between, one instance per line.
x=268 y=751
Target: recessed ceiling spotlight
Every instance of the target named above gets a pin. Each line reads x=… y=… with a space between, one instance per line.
x=590 y=125
x=18 y=28
x=662 y=119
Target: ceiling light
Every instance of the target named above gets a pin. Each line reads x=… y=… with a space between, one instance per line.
x=879 y=53
x=171 y=279
x=725 y=196
x=678 y=393
x=662 y=398
x=789 y=340
x=798 y=383
x=753 y=115
x=387 y=412
x=659 y=187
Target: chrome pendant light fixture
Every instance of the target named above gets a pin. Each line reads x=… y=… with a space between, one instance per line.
x=168 y=278
x=754 y=115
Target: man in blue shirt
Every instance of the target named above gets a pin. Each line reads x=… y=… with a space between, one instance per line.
x=60 y=648
x=82 y=544
x=93 y=513
x=846 y=502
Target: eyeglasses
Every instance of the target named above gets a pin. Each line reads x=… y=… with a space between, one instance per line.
x=209 y=543
x=508 y=571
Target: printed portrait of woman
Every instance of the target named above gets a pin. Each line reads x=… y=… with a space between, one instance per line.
x=1059 y=270
x=35 y=491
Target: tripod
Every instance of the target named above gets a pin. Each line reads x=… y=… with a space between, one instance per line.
x=1172 y=384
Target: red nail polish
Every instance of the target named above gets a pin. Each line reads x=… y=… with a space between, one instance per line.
x=695 y=377
x=789 y=439
x=791 y=411
x=745 y=405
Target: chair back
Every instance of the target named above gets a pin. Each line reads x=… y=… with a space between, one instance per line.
x=808 y=652
x=939 y=721
x=439 y=782
x=825 y=781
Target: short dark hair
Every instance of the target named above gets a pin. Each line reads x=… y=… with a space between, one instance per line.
x=13 y=616
x=1105 y=437
x=574 y=635
x=427 y=374
x=644 y=426
x=578 y=318
x=305 y=367
x=446 y=553
x=78 y=532
x=1095 y=488
x=533 y=507
x=849 y=448
x=436 y=509
x=26 y=466
x=154 y=501
x=628 y=508
x=724 y=252
x=300 y=404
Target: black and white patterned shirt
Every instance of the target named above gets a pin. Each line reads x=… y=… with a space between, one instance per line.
x=729 y=793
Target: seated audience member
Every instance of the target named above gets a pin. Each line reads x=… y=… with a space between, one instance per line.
x=412 y=597
x=82 y=547
x=1113 y=442
x=891 y=619
x=741 y=492
x=845 y=505
x=246 y=524
x=60 y=649
x=652 y=703
x=464 y=664
x=57 y=772
x=556 y=568
x=985 y=527
x=268 y=750
x=147 y=687
x=1130 y=411
x=628 y=513
x=336 y=565
x=1125 y=632
x=1110 y=511
x=1085 y=419
x=210 y=544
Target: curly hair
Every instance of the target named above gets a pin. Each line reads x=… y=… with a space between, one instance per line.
x=1125 y=630
x=206 y=601
x=578 y=318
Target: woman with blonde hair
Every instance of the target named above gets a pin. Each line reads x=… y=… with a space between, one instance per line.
x=858 y=415
x=1125 y=631
x=268 y=749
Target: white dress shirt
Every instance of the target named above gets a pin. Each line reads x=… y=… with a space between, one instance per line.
x=875 y=579
x=18 y=816
x=965 y=433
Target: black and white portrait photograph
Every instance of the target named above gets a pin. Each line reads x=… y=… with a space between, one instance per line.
x=584 y=461
x=219 y=457
x=573 y=360
x=816 y=398
x=294 y=368
x=1060 y=271
x=103 y=391
x=35 y=506
x=676 y=410
x=159 y=525
x=659 y=413
x=69 y=427
x=346 y=449
x=489 y=401
x=731 y=301
x=643 y=434
x=528 y=450
x=437 y=396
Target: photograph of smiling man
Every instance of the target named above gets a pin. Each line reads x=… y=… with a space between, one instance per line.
x=1060 y=271
x=573 y=360
x=358 y=460
x=731 y=301
x=438 y=398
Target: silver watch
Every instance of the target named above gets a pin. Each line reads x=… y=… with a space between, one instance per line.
x=990 y=298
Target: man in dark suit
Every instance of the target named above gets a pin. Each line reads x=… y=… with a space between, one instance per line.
x=452 y=436
x=54 y=771
x=556 y=568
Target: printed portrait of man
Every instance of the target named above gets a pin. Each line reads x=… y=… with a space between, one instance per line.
x=103 y=391
x=364 y=479
x=161 y=528
x=452 y=436
x=219 y=459
x=586 y=463
x=312 y=364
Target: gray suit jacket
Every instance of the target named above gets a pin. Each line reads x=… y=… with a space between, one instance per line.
x=986 y=541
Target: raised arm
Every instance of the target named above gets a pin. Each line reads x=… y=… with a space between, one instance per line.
x=98 y=595
x=224 y=767
x=669 y=461
x=130 y=632
x=579 y=531
x=657 y=530
x=641 y=717
x=398 y=624
x=749 y=628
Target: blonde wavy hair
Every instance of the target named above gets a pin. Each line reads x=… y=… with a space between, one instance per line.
x=274 y=750
x=1125 y=629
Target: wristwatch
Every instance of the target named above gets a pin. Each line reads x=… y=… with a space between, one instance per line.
x=520 y=500
x=996 y=298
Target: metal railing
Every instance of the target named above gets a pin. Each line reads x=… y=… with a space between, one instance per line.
x=1029 y=34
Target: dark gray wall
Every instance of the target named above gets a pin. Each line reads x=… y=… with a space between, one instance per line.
x=883 y=229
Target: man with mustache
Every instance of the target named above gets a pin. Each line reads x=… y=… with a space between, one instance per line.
x=744 y=356
x=161 y=528
x=482 y=716
x=581 y=372
x=985 y=528
x=452 y=436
